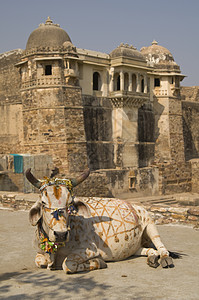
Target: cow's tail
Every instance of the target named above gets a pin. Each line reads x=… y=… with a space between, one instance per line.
x=175 y=255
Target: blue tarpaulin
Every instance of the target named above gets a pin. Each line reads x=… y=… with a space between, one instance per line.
x=18 y=163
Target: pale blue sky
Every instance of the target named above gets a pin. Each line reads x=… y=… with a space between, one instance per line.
x=102 y=25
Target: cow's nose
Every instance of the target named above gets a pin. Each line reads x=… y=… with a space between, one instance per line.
x=60 y=235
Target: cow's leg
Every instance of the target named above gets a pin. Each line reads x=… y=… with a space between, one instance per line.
x=152 y=256
x=83 y=260
x=44 y=260
x=41 y=261
x=72 y=264
x=152 y=232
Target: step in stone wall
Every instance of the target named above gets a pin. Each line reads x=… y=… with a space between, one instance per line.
x=162 y=214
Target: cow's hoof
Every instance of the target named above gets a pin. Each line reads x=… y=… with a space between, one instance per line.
x=102 y=264
x=166 y=262
x=41 y=261
x=152 y=261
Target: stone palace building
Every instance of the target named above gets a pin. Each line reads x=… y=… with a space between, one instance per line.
x=123 y=114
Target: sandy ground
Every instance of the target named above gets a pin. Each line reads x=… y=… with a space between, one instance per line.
x=129 y=279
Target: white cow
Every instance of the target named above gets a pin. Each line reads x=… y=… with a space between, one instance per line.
x=83 y=235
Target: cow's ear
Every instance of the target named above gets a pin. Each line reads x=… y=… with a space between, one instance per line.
x=82 y=209
x=35 y=213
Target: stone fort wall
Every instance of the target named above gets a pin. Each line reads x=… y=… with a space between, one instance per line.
x=11 y=123
x=77 y=130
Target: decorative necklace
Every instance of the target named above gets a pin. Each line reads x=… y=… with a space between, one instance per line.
x=47 y=246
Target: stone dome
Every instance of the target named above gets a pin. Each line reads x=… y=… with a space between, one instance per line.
x=47 y=35
x=127 y=51
x=158 y=56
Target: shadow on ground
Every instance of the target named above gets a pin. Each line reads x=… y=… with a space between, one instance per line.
x=45 y=281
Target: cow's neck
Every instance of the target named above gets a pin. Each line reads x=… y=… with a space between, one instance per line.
x=45 y=244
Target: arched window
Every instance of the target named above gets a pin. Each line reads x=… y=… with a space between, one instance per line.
x=118 y=83
x=96 y=81
x=134 y=83
x=126 y=81
x=142 y=85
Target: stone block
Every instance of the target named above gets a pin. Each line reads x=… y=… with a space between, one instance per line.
x=178 y=210
x=193 y=218
x=178 y=217
x=194 y=211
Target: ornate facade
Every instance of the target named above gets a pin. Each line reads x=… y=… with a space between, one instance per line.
x=120 y=113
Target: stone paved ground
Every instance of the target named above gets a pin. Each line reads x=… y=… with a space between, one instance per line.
x=130 y=279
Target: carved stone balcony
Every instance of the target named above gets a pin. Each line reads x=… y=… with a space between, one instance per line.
x=128 y=99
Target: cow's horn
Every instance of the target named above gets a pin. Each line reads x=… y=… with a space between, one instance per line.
x=32 y=179
x=79 y=179
x=55 y=171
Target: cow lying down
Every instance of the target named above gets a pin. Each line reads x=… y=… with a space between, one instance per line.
x=83 y=235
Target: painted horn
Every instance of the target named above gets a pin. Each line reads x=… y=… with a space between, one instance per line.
x=34 y=181
x=80 y=178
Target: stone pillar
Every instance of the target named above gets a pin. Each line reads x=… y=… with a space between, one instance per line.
x=112 y=80
x=138 y=83
x=121 y=81
x=145 y=84
x=130 y=82
x=125 y=135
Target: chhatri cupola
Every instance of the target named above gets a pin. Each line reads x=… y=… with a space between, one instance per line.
x=47 y=34
x=159 y=57
x=50 y=58
x=166 y=71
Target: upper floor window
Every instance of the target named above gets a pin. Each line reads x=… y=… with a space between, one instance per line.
x=134 y=83
x=157 y=82
x=48 y=70
x=96 y=81
x=142 y=85
x=118 y=83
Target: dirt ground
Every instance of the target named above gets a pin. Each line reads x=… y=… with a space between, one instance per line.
x=129 y=279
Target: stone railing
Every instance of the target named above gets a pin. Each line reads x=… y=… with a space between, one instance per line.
x=160 y=92
x=45 y=81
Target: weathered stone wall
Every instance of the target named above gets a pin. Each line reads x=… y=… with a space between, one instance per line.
x=169 y=141
x=190 y=93
x=146 y=135
x=175 y=178
x=176 y=140
x=195 y=174
x=9 y=77
x=191 y=129
x=147 y=180
x=11 y=128
x=53 y=124
x=120 y=183
x=13 y=180
x=11 y=124
x=98 y=129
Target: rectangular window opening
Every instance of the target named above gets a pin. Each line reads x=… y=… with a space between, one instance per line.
x=132 y=182
x=157 y=82
x=48 y=70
